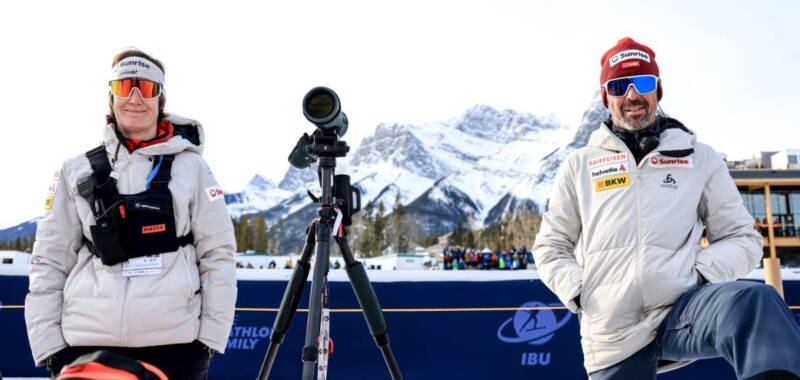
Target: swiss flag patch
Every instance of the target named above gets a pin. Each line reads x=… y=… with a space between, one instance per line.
x=626 y=65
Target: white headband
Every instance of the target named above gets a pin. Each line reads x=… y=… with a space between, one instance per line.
x=138 y=67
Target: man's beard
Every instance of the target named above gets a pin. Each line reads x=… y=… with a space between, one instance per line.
x=635 y=123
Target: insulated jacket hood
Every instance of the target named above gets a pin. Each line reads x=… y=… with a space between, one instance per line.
x=674 y=136
x=188 y=136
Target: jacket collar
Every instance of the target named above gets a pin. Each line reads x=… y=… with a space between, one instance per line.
x=174 y=145
x=674 y=137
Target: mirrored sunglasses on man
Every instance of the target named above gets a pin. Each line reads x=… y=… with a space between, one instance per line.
x=644 y=84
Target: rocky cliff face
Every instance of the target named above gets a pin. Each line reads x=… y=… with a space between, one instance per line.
x=481 y=164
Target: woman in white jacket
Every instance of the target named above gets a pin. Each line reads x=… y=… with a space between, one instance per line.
x=135 y=253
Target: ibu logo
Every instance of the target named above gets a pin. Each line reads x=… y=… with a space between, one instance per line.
x=535 y=323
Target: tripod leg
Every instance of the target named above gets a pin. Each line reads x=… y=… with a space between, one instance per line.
x=291 y=298
x=311 y=348
x=369 y=305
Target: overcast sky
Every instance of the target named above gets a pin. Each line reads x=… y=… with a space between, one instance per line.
x=729 y=71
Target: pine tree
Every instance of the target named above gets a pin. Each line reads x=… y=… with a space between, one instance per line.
x=489 y=236
x=426 y=241
x=515 y=230
x=457 y=237
x=364 y=244
x=379 y=231
x=400 y=228
x=259 y=234
x=272 y=242
x=469 y=239
x=243 y=234
x=275 y=232
x=522 y=229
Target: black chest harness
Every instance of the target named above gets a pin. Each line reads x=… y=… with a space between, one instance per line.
x=129 y=226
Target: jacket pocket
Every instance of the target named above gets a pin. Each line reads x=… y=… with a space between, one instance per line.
x=187 y=270
x=73 y=275
x=667 y=274
x=610 y=310
x=682 y=334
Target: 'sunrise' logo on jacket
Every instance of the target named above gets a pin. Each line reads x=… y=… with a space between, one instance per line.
x=671 y=162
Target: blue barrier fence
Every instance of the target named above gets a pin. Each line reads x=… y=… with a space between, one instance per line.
x=468 y=325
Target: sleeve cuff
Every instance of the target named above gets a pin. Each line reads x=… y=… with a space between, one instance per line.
x=703 y=266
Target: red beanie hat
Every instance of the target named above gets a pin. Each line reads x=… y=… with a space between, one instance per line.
x=625 y=59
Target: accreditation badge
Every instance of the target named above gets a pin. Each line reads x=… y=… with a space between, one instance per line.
x=142 y=266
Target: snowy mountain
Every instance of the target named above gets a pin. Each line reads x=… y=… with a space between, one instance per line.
x=259 y=194
x=481 y=164
x=22 y=230
x=536 y=188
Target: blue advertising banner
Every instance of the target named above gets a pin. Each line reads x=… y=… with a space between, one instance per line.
x=468 y=325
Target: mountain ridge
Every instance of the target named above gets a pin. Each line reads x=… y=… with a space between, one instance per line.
x=478 y=166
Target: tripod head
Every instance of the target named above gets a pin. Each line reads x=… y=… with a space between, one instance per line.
x=321 y=107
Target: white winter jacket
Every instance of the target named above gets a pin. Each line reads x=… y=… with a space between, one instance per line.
x=76 y=300
x=638 y=232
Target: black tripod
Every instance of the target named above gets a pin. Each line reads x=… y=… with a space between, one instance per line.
x=337 y=198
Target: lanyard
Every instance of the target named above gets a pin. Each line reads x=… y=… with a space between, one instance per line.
x=153 y=172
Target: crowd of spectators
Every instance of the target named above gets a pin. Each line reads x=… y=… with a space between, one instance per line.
x=271 y=265
x=462 y=258
x=453 y=258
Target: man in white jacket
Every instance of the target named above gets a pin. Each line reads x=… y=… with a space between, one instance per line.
x=635 y=203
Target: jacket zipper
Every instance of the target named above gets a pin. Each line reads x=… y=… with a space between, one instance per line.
x=639 y=254
x=130 y=169
x=188 y=273
x=640 y=248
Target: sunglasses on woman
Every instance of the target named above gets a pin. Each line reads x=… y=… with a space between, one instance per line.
x=122 y=88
